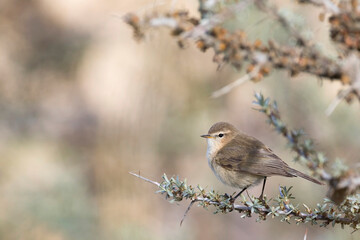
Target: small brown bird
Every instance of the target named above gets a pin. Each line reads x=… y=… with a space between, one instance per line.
x=242 y=161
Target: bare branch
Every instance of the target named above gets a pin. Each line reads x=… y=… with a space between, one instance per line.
x=145 y=179
x=337 y=101
x=187 y=210
x=328 y=5
x=238 y=82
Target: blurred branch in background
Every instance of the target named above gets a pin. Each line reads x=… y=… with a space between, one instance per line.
x=235 y=48
x=342 y=181
x=323 y=215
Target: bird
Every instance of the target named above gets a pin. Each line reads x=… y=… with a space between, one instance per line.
x=242 y=161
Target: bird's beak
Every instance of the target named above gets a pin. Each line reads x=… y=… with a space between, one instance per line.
x=207 y=136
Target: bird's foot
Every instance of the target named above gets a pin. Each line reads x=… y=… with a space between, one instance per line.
x=262 y=200
x=230 y=197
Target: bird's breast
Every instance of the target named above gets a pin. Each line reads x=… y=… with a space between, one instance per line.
x=232 y=178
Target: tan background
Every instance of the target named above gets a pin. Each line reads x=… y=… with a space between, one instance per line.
x=82 y=104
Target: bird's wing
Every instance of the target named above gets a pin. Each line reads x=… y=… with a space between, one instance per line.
x=230 y=158
x=251 y=157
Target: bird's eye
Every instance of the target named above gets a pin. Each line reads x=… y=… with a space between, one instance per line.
x=221 y=135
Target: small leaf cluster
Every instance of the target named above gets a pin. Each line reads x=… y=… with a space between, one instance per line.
x=176 y=189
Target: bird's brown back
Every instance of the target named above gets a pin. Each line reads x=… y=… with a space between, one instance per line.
x=248 y=155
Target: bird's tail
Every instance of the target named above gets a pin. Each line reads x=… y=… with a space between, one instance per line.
x=296 y=173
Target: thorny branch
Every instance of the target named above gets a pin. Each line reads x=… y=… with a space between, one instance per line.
x=237 y=50
x=348 y=213
x=342 y=181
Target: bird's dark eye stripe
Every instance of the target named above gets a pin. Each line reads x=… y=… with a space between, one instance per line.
x=221 y=135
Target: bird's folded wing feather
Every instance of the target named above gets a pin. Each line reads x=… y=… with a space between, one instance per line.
x=254 y=158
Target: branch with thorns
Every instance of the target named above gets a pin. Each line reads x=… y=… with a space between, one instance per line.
x=325 y=214
x=234 y=48
x=341 y=183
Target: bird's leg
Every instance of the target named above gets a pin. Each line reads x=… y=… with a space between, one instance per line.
x=237 y=195
x=262 y=191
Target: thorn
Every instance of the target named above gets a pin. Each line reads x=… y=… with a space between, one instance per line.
x=145 y=179
x=186 y=212
x=238 y=82
x=305 y=236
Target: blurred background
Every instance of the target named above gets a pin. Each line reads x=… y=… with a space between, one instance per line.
x=82 y=104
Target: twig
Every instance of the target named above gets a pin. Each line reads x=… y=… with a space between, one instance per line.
x=328 y=5
x=238 y=82
x=305 y=235
x=187 y=210
x=337 y=101
x=273 y=12
x=145 y=179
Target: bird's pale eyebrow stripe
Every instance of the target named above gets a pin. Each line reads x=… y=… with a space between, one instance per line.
x=223 y=132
